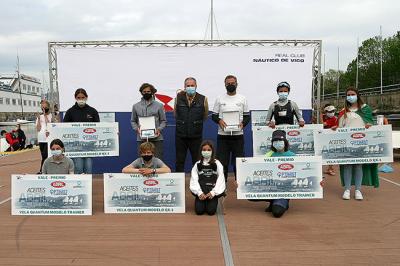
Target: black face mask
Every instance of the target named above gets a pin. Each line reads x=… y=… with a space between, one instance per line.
x=147 y=96
x=230 y=88
x=147 y=158
x=46 y=110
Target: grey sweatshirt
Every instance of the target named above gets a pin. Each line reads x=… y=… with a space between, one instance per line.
x=148 y=108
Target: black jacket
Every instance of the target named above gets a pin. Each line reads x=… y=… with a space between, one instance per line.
x=81 y=114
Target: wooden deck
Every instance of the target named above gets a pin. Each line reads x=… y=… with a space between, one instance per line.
x=313 y=232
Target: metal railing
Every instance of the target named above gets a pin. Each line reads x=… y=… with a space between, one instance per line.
x=367 y=91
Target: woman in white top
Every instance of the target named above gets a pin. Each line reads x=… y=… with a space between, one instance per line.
x=356 y=114
x=41 y=127
x=207 y=182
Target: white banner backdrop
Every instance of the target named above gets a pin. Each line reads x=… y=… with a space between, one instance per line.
x=112 y=76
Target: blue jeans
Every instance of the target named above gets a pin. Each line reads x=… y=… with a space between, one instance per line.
x=348 y=171
x=82 y=165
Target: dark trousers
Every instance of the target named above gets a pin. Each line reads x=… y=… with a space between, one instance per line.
x=181 y=146
x=208 y=206
x=44 y=153
x=159 y=148
x=21 y=144
x=228 y=148
x=15 y=146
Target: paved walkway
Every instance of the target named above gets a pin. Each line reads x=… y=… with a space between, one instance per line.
x=313 y=232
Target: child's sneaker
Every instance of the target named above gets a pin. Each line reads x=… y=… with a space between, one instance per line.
x=346 y=194
x=358 y=195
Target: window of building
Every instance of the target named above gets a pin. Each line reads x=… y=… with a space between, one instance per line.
x=8 y=101
x=29 y=88
x=34 y=103
x=19 y=101
x=24 y=87
x=14 y=101
x=1 y=101
x=25 y=102
x=30 y=103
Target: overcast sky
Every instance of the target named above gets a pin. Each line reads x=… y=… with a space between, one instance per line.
x=27 y=26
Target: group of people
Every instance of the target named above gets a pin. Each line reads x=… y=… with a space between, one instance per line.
x=15 y=139
x=210 y=164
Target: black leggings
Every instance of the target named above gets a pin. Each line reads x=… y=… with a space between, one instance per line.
x=208 y=205
x=44 y=152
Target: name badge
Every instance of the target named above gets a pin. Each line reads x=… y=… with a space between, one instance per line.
x=282 y=113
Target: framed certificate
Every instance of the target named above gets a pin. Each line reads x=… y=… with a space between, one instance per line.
x=232 y=120
x=147 y=127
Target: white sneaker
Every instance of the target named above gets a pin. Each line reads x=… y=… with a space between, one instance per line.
x=358 y=195
x=346 y=194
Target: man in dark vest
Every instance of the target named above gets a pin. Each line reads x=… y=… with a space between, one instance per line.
x=191 y=110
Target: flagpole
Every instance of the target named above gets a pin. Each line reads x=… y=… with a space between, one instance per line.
x=381 y=44
x=212 y=20
x=380 y=30
x=358 y=47
x=19 y=88
x=323 y=81
x=338 y=76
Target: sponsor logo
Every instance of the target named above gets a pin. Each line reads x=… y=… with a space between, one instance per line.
x=286 y=166
x=150 y=182
x=58 y=184
x=358 y=135
x=165 y=100
x=293 y=133
x=89 y=130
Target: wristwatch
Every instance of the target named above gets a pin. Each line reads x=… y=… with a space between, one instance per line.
x=154 y=171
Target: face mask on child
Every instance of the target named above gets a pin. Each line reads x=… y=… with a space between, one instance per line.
x=351 y=98
x=283 y=96
x=279 y=145
x=330 y=114
x=147 y=158
x=56 y=152
x=206 y=154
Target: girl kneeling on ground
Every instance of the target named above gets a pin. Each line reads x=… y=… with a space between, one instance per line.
x=279 y=148
x=207 y=181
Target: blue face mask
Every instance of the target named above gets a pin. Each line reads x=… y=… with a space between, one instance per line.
x=283 y=95
x=351 y=98
x=279 y=145
x=191 y=91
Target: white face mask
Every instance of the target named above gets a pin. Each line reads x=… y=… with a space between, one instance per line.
x=330 y=114
x=81 y=103
x=56 y=152
x=206 y=154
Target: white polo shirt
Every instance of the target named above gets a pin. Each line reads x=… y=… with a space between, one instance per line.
x=229 y=103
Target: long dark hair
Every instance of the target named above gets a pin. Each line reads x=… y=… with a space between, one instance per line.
x=208 y=143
